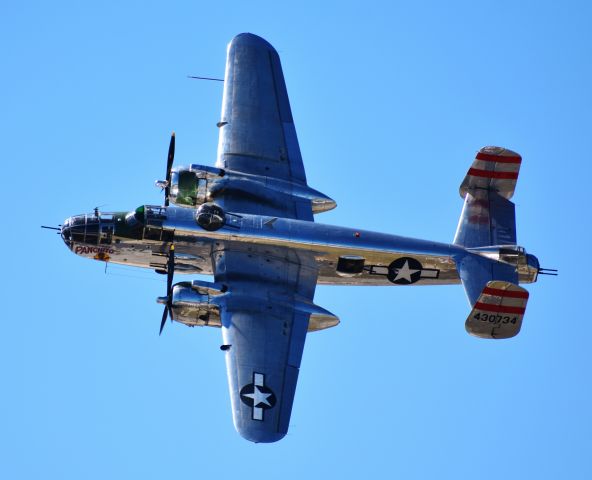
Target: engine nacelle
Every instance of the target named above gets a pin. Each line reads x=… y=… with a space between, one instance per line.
x=190 y=185
x=198 y=184
x=196 y=303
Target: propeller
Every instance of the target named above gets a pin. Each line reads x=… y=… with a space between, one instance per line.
x=168 y=300
x=171 y=157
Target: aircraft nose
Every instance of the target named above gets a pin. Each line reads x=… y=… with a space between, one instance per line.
x=66 y=231
x=87 y=229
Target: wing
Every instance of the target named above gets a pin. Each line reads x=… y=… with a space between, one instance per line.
x=264 y=327
x=258 y=134
x=258 y=143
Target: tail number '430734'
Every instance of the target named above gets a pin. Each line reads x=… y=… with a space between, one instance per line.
x=495 y=318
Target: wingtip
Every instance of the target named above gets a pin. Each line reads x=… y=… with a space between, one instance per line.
x=260 y=436
x=250 y=40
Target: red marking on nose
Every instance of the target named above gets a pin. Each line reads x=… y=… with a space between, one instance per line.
x=357 y=234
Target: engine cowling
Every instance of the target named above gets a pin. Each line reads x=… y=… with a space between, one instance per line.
x=190 y=185
x=196 y=303
x=198 y=184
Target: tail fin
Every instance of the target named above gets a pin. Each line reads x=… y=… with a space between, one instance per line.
x=488 y=219
x=488 y=216
x=498 y=312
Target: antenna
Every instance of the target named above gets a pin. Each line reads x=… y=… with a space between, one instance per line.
x=206 y=78
x=96 y=210
x=51 y=228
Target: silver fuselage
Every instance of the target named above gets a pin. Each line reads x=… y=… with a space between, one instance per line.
x=142 y=245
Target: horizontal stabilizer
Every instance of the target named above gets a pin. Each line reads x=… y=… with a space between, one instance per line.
x=495 y=169
x=498 y=311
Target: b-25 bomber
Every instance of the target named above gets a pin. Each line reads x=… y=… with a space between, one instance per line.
x=249 y=222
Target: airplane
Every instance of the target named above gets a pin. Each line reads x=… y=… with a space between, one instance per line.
x=249 y=222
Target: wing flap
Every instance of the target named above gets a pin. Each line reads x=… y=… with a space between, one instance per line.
x=498 y=312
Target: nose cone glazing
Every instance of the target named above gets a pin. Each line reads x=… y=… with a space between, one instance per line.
x=65 y=231
x=89 y=229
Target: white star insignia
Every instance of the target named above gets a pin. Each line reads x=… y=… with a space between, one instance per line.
x=258 y=397
x=405 y=272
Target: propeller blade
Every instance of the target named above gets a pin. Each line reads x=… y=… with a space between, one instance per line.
x=170 y=269
x=170 y=273
x=164 y=317
x=169 y=297
x=170 y=159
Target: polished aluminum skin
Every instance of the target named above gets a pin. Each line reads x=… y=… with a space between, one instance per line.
x=249 y=222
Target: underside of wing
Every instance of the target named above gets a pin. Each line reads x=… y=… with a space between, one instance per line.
x=257 y=130
x=258 y=146
x=264 y=325
x=263 y=363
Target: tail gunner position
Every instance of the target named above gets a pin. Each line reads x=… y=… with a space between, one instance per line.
x=249 y=222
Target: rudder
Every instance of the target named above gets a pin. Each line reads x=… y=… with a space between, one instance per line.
x=498 y=311
x=488 y=216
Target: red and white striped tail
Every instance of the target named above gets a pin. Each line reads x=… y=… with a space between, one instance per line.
x=494 y=168
x=498 y=311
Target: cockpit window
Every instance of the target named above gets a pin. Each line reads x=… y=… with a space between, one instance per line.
x=210 y=216
x=90 y=228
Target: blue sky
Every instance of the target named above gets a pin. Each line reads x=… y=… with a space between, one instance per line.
x=391 y=100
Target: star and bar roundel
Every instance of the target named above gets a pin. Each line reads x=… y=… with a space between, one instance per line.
x=405 y=271
x=257 y=396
